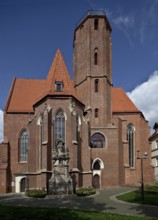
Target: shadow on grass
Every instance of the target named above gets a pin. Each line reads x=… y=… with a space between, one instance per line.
x=148 y=207
x=73 y=205
x=150 y=211
x=31 y=213
x=70 y=202
x=99 y=203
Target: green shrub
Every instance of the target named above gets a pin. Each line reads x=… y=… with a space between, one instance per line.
x=36 y=193
x=85 y=191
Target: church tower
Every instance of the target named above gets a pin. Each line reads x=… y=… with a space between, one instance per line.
x=92 y=67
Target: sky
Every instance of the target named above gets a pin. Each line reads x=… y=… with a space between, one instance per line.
x=31 y=31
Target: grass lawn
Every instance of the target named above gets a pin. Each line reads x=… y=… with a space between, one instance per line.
x=150 y=196
x=24 y=213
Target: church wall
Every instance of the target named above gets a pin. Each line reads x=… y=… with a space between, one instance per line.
x=13 y=124
x=114 y=167
x=123 y=149
x=86 y=171
x=109 y=155
x=43 y=141
x=33 y=152
x=87 y=42
x=38 y=170
x=4 y=168
x=132 y=175
x=100 y=100
x=77 y=148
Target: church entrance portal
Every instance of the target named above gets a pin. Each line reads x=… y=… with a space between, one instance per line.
x=96 y=181
x=23 y=185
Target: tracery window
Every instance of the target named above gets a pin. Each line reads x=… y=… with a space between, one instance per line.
x=23 y=146
x=131 y=140
x=59 y=127
x=97 y=141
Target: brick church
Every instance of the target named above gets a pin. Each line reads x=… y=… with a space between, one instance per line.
x=101 y=127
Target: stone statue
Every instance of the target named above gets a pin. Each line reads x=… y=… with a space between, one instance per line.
x=60 y=181
x=60 y=147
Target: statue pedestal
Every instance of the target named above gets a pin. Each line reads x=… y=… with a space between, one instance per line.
x=60 y=182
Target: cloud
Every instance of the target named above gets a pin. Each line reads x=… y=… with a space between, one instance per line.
x=146 y=99
x=152 y=10
x=142 y=31
x=1 y=126
x=124 y=21
x=125 y=24
x=148 y=20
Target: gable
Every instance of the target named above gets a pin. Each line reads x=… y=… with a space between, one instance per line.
x=25 y=93
x=58 y=73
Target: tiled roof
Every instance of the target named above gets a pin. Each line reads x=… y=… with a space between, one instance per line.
x=58 y=73
x=121 y=102
x=26 y=92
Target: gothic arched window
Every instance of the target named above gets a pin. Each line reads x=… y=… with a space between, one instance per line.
x=59 y=127
x=96 y=23
x=42 y=128
x=130 y=139
x=96 y=113
x=96 y=165
x=23 y=145
x=78 y=127
x=97 y=141
x=96 y=85
x=95 y=58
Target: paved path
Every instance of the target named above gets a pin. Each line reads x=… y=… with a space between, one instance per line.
x=104 y=201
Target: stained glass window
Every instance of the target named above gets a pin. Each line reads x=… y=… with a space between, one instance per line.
x=59 y=129
x=130 y=139
x=23 y=145
x=97 y=141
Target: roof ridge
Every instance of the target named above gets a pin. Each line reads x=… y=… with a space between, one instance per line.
x=35 y=90
x=58 y=72
x=52 y=71
x=53 y=65
x=10 y=94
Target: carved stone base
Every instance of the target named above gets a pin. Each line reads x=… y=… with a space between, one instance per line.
x=60 y=182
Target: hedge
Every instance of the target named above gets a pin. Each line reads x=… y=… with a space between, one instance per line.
x=85 y=191
x=36 y=193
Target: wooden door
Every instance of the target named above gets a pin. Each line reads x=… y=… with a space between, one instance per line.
x=96 y=181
